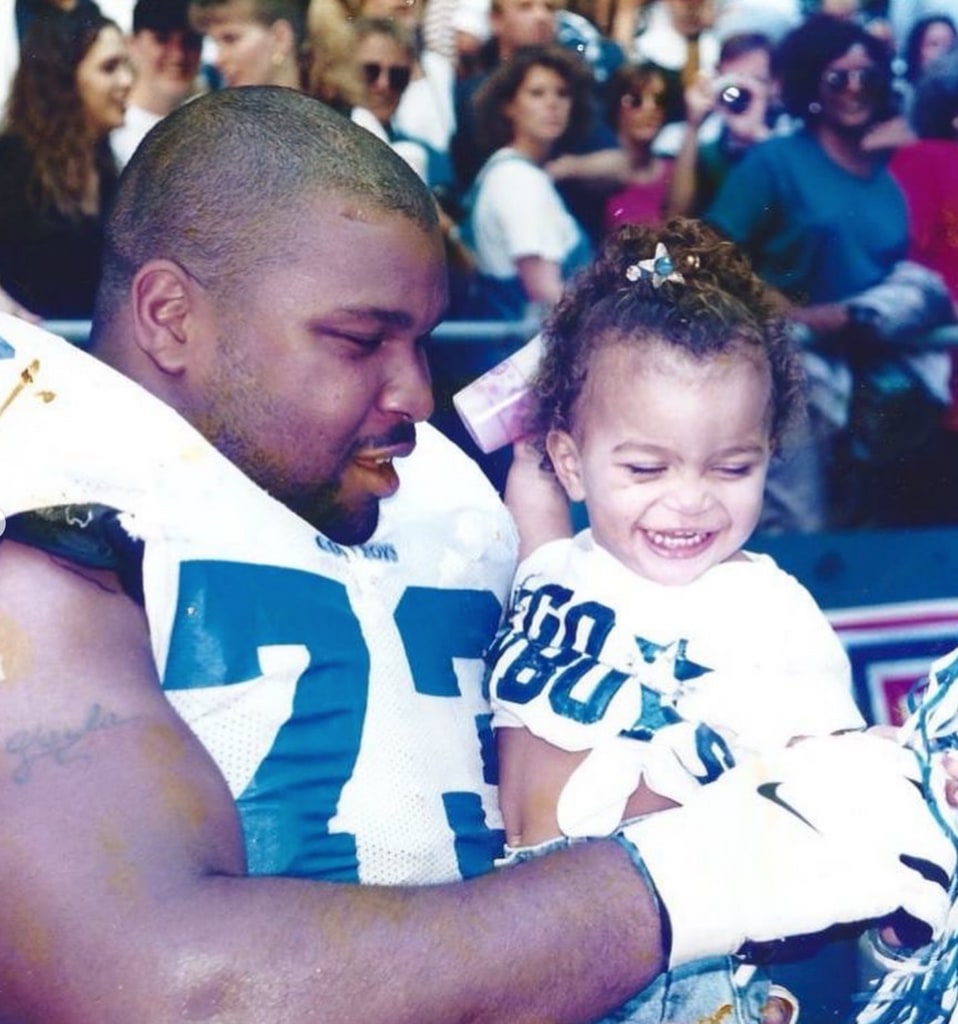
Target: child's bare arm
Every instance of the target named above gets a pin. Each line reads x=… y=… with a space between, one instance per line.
x=533 y=773
x=536 y=500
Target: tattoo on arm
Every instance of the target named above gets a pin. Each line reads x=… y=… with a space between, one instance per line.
x=61 y=746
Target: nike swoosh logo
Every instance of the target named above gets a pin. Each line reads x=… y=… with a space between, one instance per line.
x=769 y=790
x=928 y=870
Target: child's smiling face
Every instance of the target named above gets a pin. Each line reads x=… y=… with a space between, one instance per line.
x=670 y=455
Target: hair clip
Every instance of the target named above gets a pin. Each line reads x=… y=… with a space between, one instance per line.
x=660 y=268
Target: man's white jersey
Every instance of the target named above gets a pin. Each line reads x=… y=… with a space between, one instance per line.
x=338 y=689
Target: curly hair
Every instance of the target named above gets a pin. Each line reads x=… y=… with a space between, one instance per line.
x=494 y=130
x=46 y=112
x=802 y=56
x=722 y=307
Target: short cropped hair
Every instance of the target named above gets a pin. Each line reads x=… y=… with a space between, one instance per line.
x=218 y=184
x=164 y=16
x=743 y=43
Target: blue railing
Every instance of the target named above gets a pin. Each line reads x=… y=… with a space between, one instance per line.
x=500 y=332
x=503 y=332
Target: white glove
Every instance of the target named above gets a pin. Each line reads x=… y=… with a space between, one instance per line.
x=831 y=830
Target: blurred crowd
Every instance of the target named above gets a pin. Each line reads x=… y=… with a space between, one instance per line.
x=822 y=137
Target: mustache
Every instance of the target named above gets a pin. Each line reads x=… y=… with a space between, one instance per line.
x=402 y=433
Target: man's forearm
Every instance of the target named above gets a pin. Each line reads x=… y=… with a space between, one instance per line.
x=562 y=939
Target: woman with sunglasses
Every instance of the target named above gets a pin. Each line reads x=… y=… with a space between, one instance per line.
x=635 y=110
x=632 y=179
x=818 y=212
x=385 y=55
x=426 y=109
x=824 y=221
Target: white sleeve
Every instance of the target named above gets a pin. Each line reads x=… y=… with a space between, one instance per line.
x=528 y=212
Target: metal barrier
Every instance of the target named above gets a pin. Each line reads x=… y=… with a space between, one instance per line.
x=75 y=331
x=500 y=332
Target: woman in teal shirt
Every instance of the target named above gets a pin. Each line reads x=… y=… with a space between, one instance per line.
x=823 y=220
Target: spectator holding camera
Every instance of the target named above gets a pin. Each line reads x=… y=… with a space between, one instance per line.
x=725 y=115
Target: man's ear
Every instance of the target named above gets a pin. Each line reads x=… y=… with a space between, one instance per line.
x=564 y=453
x=163 y=307
x=284 y=40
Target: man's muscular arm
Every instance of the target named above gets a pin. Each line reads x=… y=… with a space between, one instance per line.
x=122 y=887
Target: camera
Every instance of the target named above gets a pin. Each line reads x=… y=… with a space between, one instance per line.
x=734 y=97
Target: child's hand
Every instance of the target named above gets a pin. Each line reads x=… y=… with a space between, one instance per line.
x=536 y=499
x=781 y=1007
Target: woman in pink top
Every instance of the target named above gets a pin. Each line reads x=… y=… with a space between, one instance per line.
x=636 y=110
